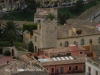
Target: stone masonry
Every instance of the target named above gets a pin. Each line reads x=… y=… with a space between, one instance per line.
x=48 y=33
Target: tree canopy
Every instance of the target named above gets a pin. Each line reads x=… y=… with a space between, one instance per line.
x=32 y=4
x=79 y=5
x=29 y=27
x=30 y=47
x=11 y=32
x=50 y=16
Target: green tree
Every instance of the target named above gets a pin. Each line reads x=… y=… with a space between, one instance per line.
x=50 y=16
x=79 y=6
x=7 y=53
x=29 y=27
x=11 y=32
x=30 y=47
x=31 y=4
x=63 y=17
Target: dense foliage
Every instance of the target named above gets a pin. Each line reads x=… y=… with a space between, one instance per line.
x=50 y=16
x=30 y=47
x=7 y=53
x=11 y=32
x=29 y=27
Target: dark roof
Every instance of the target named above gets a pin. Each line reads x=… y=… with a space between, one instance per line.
x=88 y=29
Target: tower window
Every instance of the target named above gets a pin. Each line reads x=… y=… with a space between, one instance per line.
x=35 y=39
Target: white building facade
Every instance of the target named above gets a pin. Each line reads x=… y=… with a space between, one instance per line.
x=92 y=66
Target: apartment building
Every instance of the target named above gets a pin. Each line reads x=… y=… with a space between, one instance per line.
x=92 y=66
x=63 y=61
x=12 y=3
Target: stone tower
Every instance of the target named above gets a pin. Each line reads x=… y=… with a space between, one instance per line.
x=48 y=33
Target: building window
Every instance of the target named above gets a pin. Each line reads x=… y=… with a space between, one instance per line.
x=35 y=39
x=69 y=67
x=52 y=69
x=83 y=68
x=96 y=72
x=99 y=40
x=68 y=54
x=66 y=43
x=80 y=52
x=90 y=40
x=61 y=70
x=60 y=44
x=89 y=69
x=76 y=67
x=39 y=21
x=74 y=42
x=82 y=41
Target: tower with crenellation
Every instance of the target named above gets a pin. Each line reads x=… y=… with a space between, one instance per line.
x=48 y=33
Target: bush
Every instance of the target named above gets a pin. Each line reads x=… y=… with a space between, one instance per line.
x=29 y=27
x=7 y=53
x=30 y=47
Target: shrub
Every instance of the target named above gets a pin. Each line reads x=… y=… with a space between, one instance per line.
x=30 y=47
x=7 y=53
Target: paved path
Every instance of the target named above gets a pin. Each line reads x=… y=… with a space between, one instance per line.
x=4 y=59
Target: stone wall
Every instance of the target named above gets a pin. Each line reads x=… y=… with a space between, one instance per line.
x=48 y=33
x=10 y=49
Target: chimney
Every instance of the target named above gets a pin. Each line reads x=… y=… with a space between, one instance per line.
x=74 y=29
x=70 y=32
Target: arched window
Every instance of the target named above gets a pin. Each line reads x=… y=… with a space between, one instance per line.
x=82 y=41
x=66 y=43
x=90 y=40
